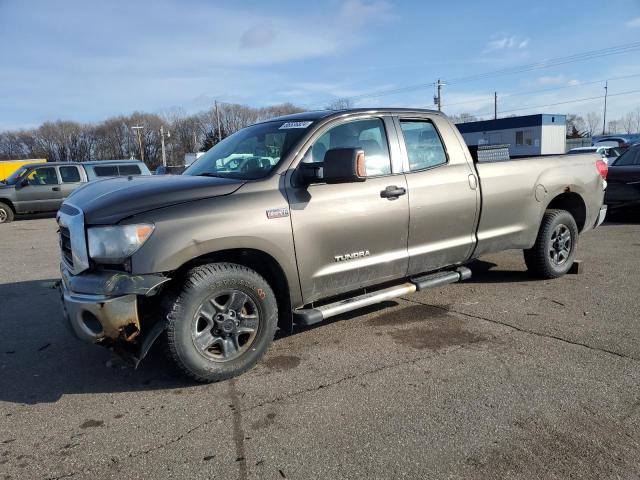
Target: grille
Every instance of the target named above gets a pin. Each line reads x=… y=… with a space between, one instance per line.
x=65 y=246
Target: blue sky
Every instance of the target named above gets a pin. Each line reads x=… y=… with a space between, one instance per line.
x=88 y=60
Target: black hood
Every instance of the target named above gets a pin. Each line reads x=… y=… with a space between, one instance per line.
x=109 y=201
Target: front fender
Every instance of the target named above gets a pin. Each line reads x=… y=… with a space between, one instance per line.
x=185 y=232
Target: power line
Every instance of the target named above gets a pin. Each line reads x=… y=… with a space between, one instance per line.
x=577 y=57
x=576 y=100
x=527 y=92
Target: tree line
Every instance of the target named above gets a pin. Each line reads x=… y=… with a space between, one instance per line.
x=116 y=137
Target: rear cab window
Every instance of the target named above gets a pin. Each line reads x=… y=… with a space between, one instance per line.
x=69 y=174
x=423 y=143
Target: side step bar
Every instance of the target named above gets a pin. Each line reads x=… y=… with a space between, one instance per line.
x=310 y=316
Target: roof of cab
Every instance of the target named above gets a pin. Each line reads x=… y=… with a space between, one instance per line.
x=320 y=114
x=91 y=163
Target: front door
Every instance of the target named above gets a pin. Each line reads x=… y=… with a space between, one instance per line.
x=443 y=194
x=41 y=193
x=351 y=235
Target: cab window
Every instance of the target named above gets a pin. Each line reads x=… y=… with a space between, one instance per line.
x=369 y=135
x=70 y=174
x=43 y=176
x=129 y=170
x=424 y=147
x=106 y=171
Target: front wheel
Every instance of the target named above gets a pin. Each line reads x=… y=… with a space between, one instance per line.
x=222 y=322
x=6 y=214
x=555 y=249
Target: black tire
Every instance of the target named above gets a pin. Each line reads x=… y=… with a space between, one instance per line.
x=189 y=320
x=546 y=258
x=6 y=214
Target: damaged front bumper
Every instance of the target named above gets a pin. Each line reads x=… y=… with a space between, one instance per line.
x=102 y=307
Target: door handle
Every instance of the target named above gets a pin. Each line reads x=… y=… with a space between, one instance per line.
x=56 y=189
x=392 y=192
x=473 y=182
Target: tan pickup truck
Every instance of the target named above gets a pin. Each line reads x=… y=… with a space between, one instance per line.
x=300 y=218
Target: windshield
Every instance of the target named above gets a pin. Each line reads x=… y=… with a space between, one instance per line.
x=13 y=178
x=250 y=153
x=628 y=158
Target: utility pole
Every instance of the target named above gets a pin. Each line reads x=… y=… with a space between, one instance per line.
x=218 y=122
x=495 y=105
x=137 y=128
x=437 y=99
x=604 y=120
x=164 y=157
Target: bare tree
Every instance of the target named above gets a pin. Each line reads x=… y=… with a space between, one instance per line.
x=463 y=117
x=339 y=104
x=628 y=122
x=114 y=137
x=575 y=126
x=594 y=122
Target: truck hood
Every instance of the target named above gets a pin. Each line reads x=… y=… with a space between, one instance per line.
x=109 y=201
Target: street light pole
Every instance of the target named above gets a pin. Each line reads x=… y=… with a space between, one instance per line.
x=218 y=122
x=164 y=157
x=137 y=128
x=604 y=120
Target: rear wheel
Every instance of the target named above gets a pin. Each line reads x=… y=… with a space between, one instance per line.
x=222 y=322
x=555 y=249
x=6 y=214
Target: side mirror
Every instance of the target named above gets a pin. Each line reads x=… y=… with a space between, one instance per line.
x=344 y=165
x=22 y=183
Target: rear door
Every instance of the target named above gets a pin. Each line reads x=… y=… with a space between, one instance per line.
x=71 y=177
x=349 y=236
x=42 y=193
x=443 y=191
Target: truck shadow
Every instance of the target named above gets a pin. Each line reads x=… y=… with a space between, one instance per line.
x=41 y=360
x=485 y=272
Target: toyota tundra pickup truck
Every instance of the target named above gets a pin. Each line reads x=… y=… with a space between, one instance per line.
x=298 y=219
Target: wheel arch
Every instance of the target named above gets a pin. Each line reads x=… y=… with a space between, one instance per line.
x=573 y=203
x=259 y=261
x=9 y=203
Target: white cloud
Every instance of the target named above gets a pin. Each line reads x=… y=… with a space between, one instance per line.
x=359 y=11
x=633 y=23
x=559 y=79
x=506 y=42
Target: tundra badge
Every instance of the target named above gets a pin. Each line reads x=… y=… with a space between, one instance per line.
x=278 y=212
x=352 y=256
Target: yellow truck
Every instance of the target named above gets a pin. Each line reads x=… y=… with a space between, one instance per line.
x=7 y=167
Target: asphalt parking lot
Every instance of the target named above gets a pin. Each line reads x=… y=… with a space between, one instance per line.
x=499 y=377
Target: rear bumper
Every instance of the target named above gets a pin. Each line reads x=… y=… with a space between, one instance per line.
x=103 y=306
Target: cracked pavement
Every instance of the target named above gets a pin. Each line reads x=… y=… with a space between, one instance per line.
x=500 y=376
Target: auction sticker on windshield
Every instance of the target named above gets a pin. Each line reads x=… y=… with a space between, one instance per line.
x=295 y=125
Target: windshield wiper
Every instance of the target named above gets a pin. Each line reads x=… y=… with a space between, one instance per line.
x=208 y=174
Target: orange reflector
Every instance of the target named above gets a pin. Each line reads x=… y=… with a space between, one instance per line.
x=361 y=166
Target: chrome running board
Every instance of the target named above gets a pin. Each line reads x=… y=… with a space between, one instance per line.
x=310 y=316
